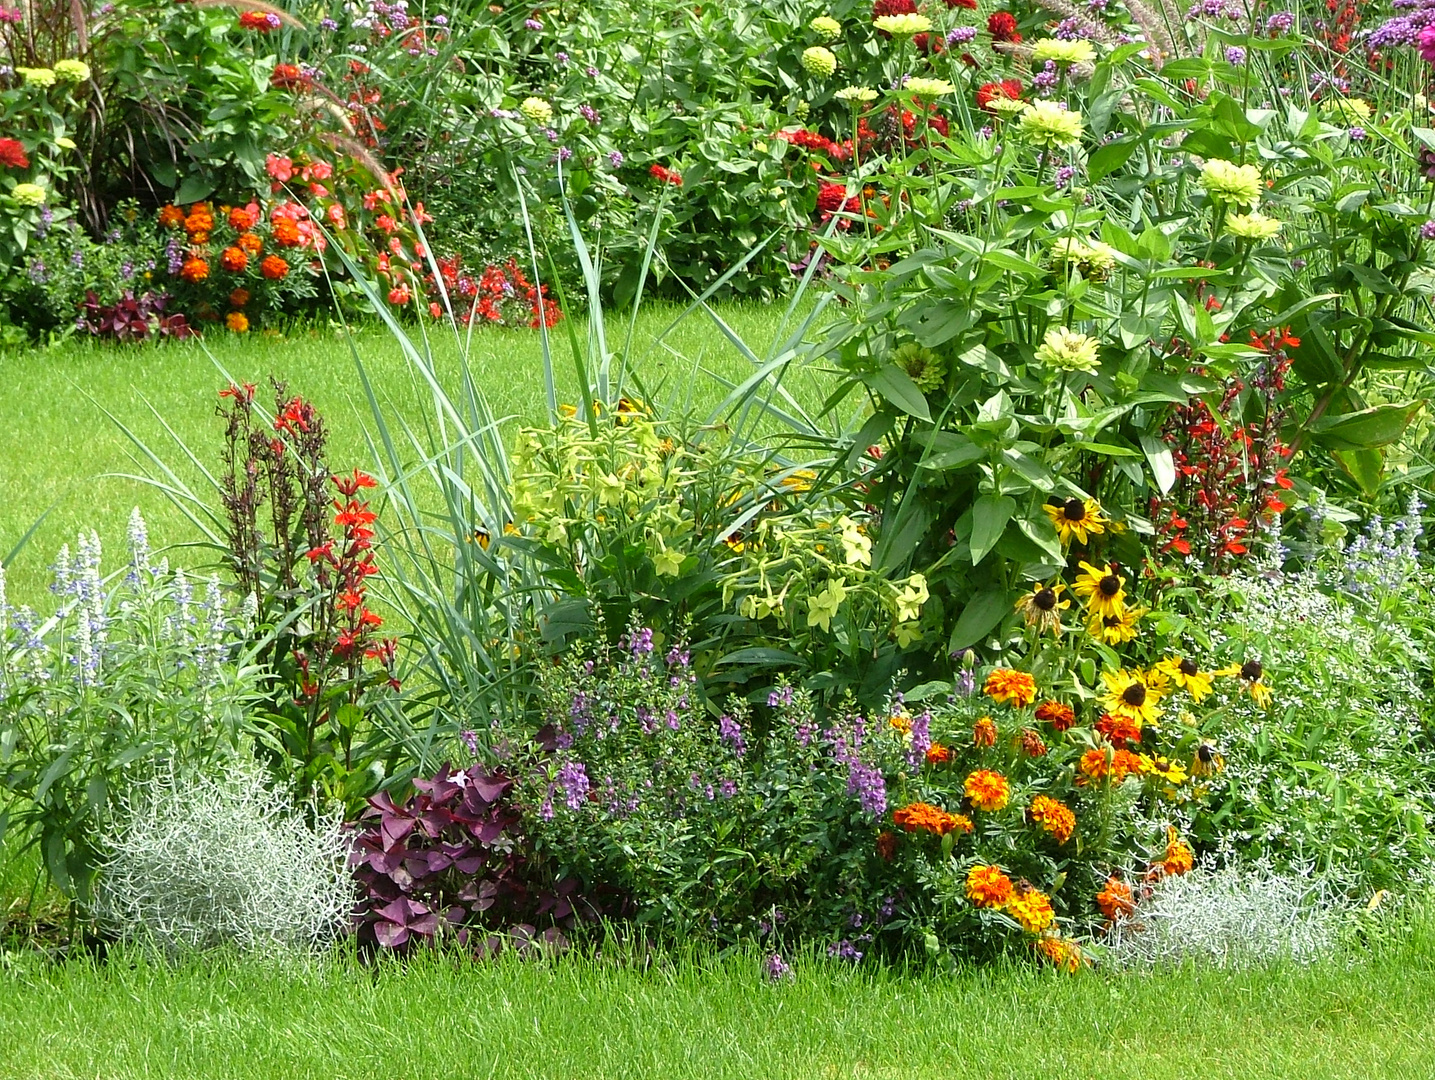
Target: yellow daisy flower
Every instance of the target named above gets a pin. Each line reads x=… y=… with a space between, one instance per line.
x=1187 y=674
x=1042 y=607
x=1114 y=629
x=1130 y=694
x=1076 y=517
x=1102 y=589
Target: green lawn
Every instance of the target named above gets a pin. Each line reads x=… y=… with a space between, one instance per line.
x=569 y=1019
x=60 y=446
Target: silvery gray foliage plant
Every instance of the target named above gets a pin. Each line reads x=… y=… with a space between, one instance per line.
x=199 y=861
x=1235 y=916
x=133 y=671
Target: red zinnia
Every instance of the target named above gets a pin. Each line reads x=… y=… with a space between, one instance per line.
x=894 y=7
x=989 y=92
x=666 y=175
x=1002 y=26
x=12 y=154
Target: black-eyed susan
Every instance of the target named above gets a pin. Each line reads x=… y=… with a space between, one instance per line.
x=1042 y=607
x=1251 y=674
x=1130 y=694
x=1076 y=517
x=1102 y=589
x=1114 y=629
x=1187 y=674
x=1207 y=759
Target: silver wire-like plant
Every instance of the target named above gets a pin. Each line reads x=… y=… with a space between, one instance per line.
x=1231 y=917
x=199 y=861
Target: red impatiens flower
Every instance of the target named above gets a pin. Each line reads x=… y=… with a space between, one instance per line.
x=12 y=154
x=1002 y=27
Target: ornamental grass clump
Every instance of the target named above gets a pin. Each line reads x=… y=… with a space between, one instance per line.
x=199 y=860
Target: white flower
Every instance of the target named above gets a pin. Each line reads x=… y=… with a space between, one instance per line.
x=850 y=94
x=929 y=88
x=1067 y=349
x=819 y=61
x=1252 y=226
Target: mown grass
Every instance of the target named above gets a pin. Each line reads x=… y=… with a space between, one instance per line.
x=577 y=1018
x=60 y=447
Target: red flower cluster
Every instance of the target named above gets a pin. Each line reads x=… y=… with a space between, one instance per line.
x=1010 y=89
x=500 y=295
x=1228 y=477
x=1001 y=25
x=664 y=175
x=290 y=77
x=12 y=154
x=260 y=21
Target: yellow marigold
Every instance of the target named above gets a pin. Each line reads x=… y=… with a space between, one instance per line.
x=1031 y=908
x=1179 y=858
x=1006 y=685
x=988 y=887
x=1064 y=954
x=1052 y=817
x=237 y=322
x=988 y=790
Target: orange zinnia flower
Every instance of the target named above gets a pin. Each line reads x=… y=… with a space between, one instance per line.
x=1032 y=909
x=1010 y=686
x=1115 y=900
x=242 y=219
x=1053 y=817
x=988 y=790
x=988 y=887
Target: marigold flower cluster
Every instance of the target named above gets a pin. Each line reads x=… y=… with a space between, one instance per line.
x=1053 y=817
x=989 y=791
x=924 y=817
x=1010 y=687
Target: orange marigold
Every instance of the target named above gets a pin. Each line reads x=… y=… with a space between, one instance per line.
x=924 y=817
x=1032 y=909
x=199 y=221
x=901 y=722
x=274 y=268
x=194 y=270
x=1059 y=716
x=886 y=845
x=250 y=243
x=1053 y=817
x=937 y=754
x=239 y=297
x=984 y=732
x=1119 y=730
x=988 y=790
x=1179 y=857
x=236 y=321
x=234 y=260
x=988 y=887
x=1115 y=899
x=170 y=216
x=1064 y=954
x=1031 y=743
x=286 y=233
x=1006 y=685
x=242 y=219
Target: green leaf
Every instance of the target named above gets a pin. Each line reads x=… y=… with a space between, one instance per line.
x=1107 y=449
x=981 y=614
x=1105 y=160
x=897 y=388
x=990 y=515
x=1365 y=467
x=193 y=189
x=1163 y=467
x=1364 y=429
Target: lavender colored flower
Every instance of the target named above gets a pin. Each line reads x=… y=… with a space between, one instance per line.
x=1427 y=231
x=730 y=732
x=1235 y=54
x=77 y=259
x=775 y=969
x=587 y=112
x=532 y=24
x=440 y=20
x=866 y=782
x=470 y=740
x=642 y=642
x=564 y=153
x=1280 y=23
x=844 y=950
x=328 y=25
x=573 y=779
x=1046 y=78
x=1357 y=134
x=561 y=57
x=591 y=72
x=37 y=272
x=962 y=35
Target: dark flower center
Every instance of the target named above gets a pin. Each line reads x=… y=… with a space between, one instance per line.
x=1206 y=753
x=1110 y=585
x=1251 y=670
x=1112 y=621
x=1045 y=600
x=1188 y=667
x=1134 y=695
x=1074 y=510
